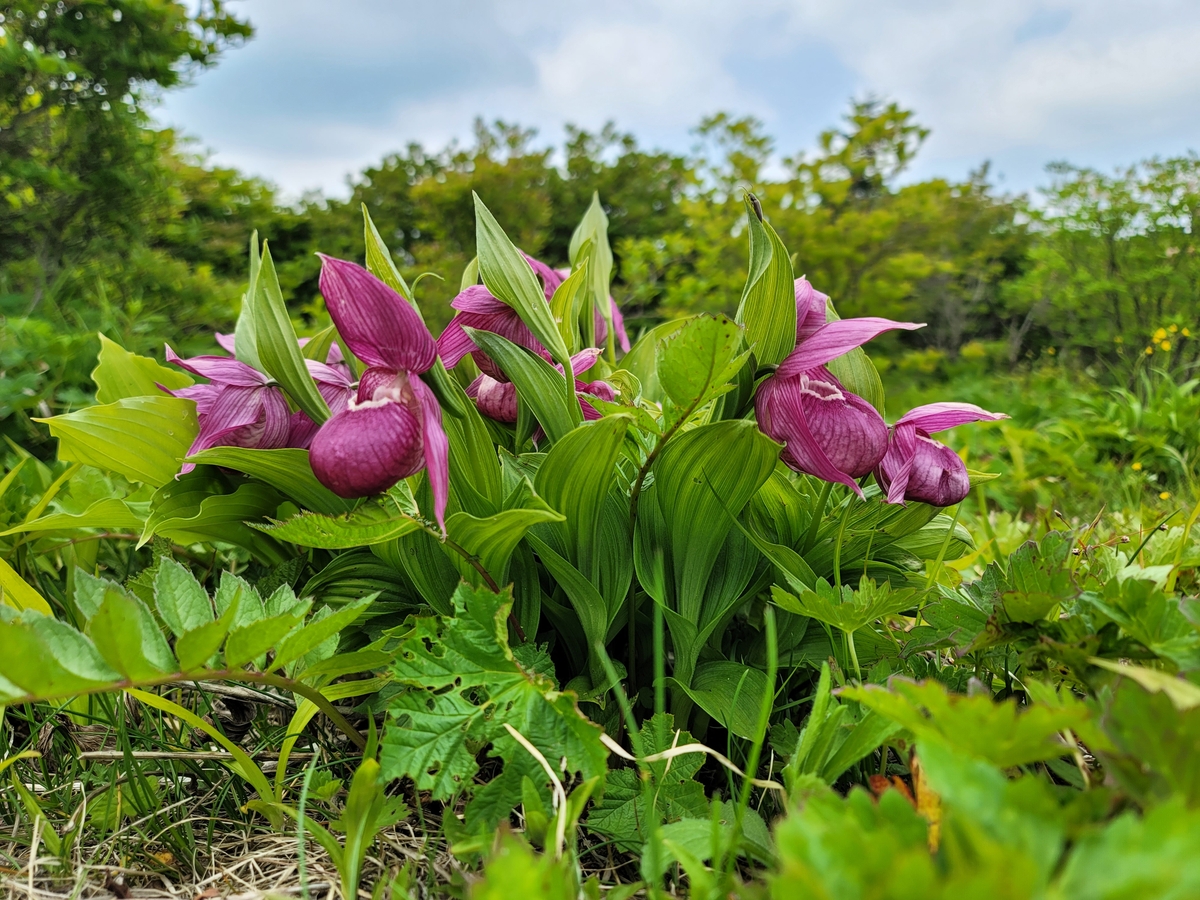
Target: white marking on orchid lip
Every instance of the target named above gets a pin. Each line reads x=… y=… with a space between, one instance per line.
x=822 y=390
x=369 y=404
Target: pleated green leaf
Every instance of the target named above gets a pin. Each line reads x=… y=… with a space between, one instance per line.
x=277 y=347
x=120 y=374
x=141 y=438
x=539 y=385
x=768 y=305
x=286 y=469
x=729 y=692
x=695 y=363
x=511 y=280
x=110 y=513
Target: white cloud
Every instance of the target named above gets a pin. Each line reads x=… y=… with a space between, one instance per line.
x=1021 y=81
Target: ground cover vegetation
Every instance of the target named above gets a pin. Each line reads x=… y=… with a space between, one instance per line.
x=601 y=563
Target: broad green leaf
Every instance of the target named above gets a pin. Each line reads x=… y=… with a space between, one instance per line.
x=856 y=371
x=511 y=280
x=768 y=306
x=29 y=662
x=70 y=648
x=593 y=229
x=286 y=469
x=380 y=263
x=249 y=642
x=277 y=347
x=179 y=598
x=370 y=524
x=1003 y=734
x=574 y=479
x=16 y=592
x=694 y=363
x=463 y=686
x=109 y=513
x=196 y=647
x=186 y=513
x=319 y=345
x=354 y=662
x=538 y=384
x=729 y=692
x=493 y=539
x=565 y=305
x=317 y=632
x=120 y=374
x=142 y=438
x=128 y=638
x=641 y=360
x=586 y=600
x=846 y=608
x=245 y=342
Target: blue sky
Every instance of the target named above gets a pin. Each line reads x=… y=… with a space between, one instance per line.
x=325 y=89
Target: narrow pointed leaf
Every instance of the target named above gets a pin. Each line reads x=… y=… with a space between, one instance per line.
x=285 y=469
x=768 y=304
x=539 y=385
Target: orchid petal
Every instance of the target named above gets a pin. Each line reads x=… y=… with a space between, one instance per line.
x=935 y=417
x=583 y=360
x=454 y=344
x=601 y=390
x=224 y=341
x=810 y=309
x=618 y=326
x=203 y=395
x=325 y=374
x=835 y=339
x=219 y=369
x=478 y=299
x=437 y=448
x=551 y=278
x=495 y=399
x=378 y=325
x=366 y=449
x=829 y=432
x=895 y=468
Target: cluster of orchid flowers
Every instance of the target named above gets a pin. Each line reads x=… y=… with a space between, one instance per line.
x=389 y=425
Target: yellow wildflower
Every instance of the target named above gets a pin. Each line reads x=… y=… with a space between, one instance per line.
x=1173 y=329
x=1166 y=345
x=1119 y=339
x=1186 y=333
x=1051 y=351
x=1165 y=495
x=1160 y=334
x=1137 y=467
x=1149 y=351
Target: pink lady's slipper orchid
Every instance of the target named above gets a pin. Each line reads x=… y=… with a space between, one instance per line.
x=239 y=407
x=827 y=431
x=478 y=308
x=916 y=467
x=392 y=428
x=498 y=399
x=552 y=278
x=333 y=382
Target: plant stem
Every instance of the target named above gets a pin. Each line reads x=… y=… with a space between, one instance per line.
x=853 y=655
x=814 y=524
x=474 y=563
x=660 y=662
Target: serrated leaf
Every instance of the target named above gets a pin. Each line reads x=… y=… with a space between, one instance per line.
x=120 y=374
x=317 y=632
x=194 y=648
x=999 y=733
x=126 y=635
x=179 y=598
x=142 y=438
x=846 y=608
x=249 y=642
x=32 y=666
x=367 y=525
x=768 y=305
x=464 y=684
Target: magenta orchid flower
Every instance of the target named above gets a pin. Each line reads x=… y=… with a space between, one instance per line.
x=333 y=358
x=333 y=383
x=916 y=467
x=498 y=399
x=478 y=308
x=392 y=427
x=239 y=407
x=827 y=430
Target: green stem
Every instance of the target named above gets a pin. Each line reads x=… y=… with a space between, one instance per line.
x=660 y=662
x=853 y=655
x=814 y=524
